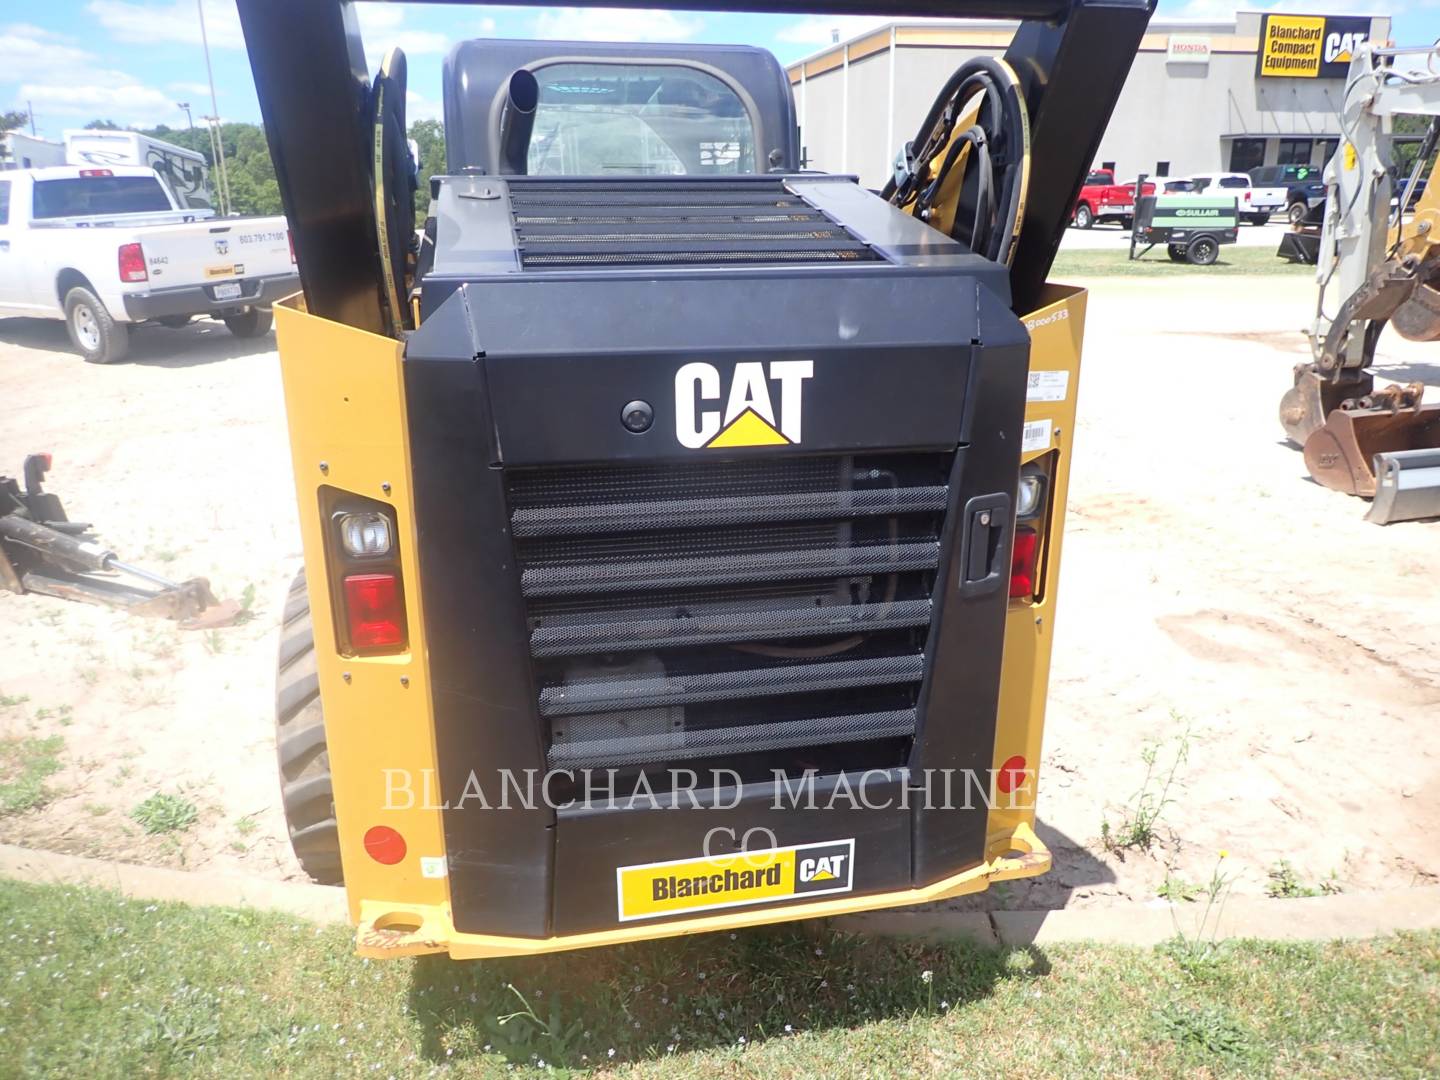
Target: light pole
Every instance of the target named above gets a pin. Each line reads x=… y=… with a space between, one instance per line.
x=188 y=118
x=215 y=114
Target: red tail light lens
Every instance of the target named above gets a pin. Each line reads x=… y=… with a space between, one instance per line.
x=132 y=263
x=1022 y=563
x=374 y=612
x=96 y=172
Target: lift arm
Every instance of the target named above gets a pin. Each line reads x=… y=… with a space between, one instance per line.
x=1072 y=58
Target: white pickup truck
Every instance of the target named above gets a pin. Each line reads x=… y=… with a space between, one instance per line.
x=1256 y=203
x=103 y=248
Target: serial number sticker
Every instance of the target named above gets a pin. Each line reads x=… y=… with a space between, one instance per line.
x=433 y=866
x=725 y=881
x=1036 y=436
x=1048 y=386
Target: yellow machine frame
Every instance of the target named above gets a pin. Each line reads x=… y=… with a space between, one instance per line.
x=345 y=399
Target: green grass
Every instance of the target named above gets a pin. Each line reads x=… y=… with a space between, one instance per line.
x=165 y=813
x=95 y=986
x=25 y=763
x=1233 y=260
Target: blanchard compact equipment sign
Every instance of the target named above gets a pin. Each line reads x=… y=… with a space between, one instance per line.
x=724 y=881
x=1309 y=46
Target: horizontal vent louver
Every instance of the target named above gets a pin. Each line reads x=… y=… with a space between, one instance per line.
x=644 y=222
x=701 y=610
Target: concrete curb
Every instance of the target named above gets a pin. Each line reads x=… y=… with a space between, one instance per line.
x=1317 y=918
x=318 y=903
x=1311 y=918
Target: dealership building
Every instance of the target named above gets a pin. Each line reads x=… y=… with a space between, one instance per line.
x=1263 y=89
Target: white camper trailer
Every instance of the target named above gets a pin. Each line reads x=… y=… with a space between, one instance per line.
x=21 y=151
x=184 y=170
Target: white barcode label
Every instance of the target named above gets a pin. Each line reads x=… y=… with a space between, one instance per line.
x=433 y=866
x=1036 y=436
x=1048 y=386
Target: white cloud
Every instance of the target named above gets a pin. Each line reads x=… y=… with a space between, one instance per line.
x=178 y=21
x=69 y=85
x=615 y=24
x=1224 y=10
x=419 y=107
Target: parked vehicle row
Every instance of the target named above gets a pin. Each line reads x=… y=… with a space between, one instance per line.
x=1259 y=194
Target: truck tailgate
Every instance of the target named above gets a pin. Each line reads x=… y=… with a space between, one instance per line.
x=217 y=250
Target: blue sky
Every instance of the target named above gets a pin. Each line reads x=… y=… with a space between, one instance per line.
x=131 y=60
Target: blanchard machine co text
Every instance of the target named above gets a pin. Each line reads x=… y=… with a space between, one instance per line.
x=722 y=789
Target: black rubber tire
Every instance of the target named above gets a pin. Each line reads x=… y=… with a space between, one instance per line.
x=1084 y=217
x=98 y=337
x=250 y=323
x=305 y=787
x=1296 y=214
x=1202 y=251
x=1176 y=252
x=1127 y=222
x=1259 y=219
x=175 y=322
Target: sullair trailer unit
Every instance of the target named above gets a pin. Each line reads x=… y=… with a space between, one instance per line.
x=682 y=528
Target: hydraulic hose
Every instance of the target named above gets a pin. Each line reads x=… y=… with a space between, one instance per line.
x=991 y=194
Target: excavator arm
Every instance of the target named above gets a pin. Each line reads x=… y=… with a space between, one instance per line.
x=1376 y=267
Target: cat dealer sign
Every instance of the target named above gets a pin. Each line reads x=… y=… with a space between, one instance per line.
x=1309 y=46
x=1188 y=49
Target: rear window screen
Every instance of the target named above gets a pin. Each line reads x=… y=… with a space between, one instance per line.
x=1234 y=182
x=638 y=119
x=84 y=195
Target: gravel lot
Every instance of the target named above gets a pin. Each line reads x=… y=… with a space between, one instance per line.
x=1208 y=586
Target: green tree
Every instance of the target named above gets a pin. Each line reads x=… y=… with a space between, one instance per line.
x=429 y=135
x=14 y=119
x=103 y=125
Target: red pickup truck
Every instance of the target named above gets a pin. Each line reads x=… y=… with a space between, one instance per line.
x=1101 y=199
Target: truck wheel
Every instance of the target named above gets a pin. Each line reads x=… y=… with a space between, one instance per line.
x=1176 y=252
x=1084 y=218
x=1296 y=214
x=1202 y=251
x=1126 y=222
x=1259 y=219
x=175 y=322
x=305 y=787
x=100 y=339
x=252 y=322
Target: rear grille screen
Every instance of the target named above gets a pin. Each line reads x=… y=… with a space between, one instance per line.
x=679 y=612
x=566 y=224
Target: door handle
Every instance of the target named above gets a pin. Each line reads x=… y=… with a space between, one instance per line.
x=984 y=545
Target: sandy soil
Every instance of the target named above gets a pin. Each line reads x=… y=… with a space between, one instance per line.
x=1208 y=587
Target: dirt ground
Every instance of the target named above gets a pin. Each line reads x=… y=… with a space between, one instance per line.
x=1208 y=588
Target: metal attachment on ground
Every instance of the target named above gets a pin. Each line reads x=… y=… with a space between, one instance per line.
x=42 y=551
x=1407 y=486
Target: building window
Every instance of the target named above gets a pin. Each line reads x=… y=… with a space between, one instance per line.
x=1162 y=168
x=1294 y=152
x=1324 y=150
x=1246 y=154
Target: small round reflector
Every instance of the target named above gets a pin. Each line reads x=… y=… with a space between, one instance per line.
x=1010 y=776
x=385 y=845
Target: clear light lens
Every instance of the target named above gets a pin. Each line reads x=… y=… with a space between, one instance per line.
x=1027 y=503
x=365 y=535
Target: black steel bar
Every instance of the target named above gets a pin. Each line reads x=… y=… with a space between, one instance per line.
x=313 y=87
x=1071 y=73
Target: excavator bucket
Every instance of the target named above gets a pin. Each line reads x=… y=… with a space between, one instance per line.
x=1342 y=454
x=1407 y=486
x=1305 y=405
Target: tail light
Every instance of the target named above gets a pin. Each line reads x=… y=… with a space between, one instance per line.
x=1247 y=196
x=1023 y=561
x=96 y=172
x=374 y=612
x=132 y=263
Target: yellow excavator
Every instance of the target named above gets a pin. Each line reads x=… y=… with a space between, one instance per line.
x=1378 y=264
